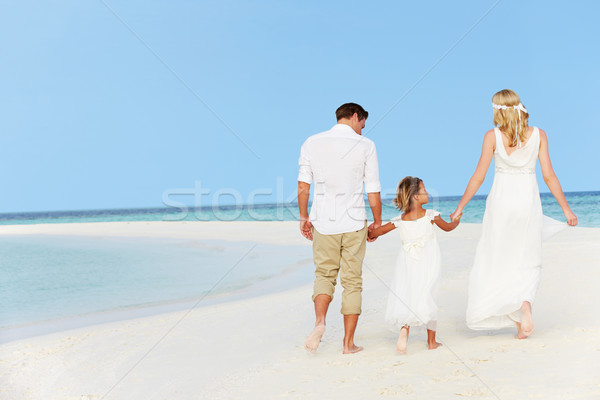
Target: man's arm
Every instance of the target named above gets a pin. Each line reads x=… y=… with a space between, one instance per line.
x=375 y=204
x=373 y=188
x=303 y=195
x=305 y=178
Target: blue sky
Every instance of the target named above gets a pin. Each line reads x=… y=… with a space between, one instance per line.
x=113 y=104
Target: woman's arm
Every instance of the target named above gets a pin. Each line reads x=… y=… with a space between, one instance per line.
x=487 y=152
x=552 y=180
x=382 y=230
x=446 y=226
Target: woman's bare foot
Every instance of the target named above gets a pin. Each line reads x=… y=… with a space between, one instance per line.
x=312 y=343
x=525 y=328
x=520 y=334
x=353 y=349
x=402 y=340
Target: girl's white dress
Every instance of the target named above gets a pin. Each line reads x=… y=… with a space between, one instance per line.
x=508 y=259
x=412 y=293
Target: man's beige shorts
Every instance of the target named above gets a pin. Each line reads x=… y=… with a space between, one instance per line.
x=345 y=252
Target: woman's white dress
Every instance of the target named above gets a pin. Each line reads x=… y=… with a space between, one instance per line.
x=412 y=293
x=508 y=259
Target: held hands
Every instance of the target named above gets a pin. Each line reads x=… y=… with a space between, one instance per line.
x=371 y=228
x=455 y=216
x=306 y=228
x=456 y=220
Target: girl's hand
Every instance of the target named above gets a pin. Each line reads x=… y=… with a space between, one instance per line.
x=457 y=220
x=455 y=216
x=571 y=217
x=370 y=229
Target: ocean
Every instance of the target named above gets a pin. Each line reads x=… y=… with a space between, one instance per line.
x=586 y=206
x=49 y=278
x=52 y=278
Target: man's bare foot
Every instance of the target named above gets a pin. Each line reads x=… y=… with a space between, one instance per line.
x=312 y=343
x=527 y=321
x=353 y=349
x=434 y=345
x=402 y=341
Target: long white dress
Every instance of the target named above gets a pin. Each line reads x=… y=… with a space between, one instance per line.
x=508 y=259
x=412 y=294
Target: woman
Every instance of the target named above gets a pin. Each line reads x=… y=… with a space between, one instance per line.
x=506 y=270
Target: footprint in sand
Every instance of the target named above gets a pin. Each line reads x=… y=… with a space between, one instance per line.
x=473 y=393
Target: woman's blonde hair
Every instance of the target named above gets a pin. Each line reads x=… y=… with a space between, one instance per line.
x=508 y=119
x=407 y=188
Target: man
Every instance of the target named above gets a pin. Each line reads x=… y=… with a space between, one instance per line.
x=339 y=161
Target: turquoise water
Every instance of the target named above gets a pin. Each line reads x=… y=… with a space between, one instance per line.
x=585 y=204
x=52 y=277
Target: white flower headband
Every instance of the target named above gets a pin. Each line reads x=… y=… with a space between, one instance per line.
x=519 y=107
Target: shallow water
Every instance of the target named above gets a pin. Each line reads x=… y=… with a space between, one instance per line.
x=51 y=277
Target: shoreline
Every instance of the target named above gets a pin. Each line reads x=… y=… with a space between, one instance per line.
x=255 y=231
x=253 y=347
x=289 y=277
x=35 y=329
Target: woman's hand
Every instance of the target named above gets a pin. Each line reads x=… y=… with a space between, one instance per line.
x=571 y=217
x=455 y=216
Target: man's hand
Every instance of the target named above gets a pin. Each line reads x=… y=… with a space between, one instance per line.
x=370 y=229
x=306 y=228
x=305 y=225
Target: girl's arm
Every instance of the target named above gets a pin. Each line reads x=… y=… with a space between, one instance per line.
x=487 y=152
x=382 y=230
x=446 y=226
x=552 y=181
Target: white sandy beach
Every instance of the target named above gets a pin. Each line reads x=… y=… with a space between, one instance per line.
x=253 y=348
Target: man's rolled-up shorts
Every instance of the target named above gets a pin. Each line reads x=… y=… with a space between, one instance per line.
x=343 y=253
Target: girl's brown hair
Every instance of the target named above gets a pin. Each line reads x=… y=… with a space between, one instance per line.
x=407 y=188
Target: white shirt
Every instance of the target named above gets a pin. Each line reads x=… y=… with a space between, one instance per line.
x=339 y=161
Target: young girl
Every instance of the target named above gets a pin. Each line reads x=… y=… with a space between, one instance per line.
x=411 y=300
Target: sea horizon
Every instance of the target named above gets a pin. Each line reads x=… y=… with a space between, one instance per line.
x=585 y=204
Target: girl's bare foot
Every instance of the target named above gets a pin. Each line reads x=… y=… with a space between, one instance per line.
x=353 y=349
x=431 y=342
x=312 y=343
x=402 y=340
x=433 y=345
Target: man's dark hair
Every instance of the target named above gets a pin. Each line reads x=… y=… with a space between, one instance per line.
x=347 y=111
